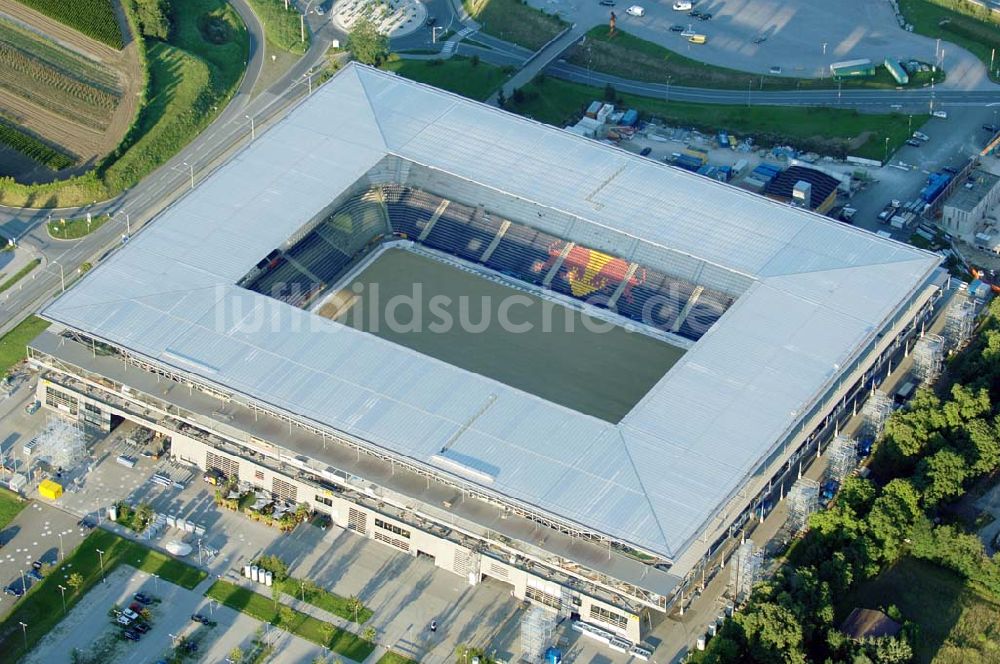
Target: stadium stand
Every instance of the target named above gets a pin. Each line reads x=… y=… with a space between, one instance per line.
x=650 y=297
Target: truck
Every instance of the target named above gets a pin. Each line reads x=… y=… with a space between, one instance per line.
x=902 y=220
x=904 y=393
x=847 y=214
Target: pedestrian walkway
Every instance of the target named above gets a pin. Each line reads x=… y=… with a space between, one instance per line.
x=540 y=60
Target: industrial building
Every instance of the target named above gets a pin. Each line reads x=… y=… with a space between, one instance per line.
x=204 y=328
x=805 y=187
x=965 y=212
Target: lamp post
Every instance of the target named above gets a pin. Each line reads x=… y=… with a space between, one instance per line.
x=253 y=133
x=24 y=633
x=886 y=149
x=191 y=167
x=667 y=97
x=62 y=556
x=62 y=589
x=101 y=554
x=62 y=275
x=128 y=221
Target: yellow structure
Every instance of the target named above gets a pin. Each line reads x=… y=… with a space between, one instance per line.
x=51 y=490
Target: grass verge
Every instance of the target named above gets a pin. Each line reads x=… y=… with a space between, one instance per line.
x=391 y=657
x=191 y=79
x=20 y=274
x=514 y=21
x=41 y=609
x=464 y=76
x=14 y=344
x=956 y=624
x=824 y=130
x=282 y=29
x=295 y=622
x=10 y=506
x=634 y=58
x=74 y=229
x=977 y=34
x=324 y=599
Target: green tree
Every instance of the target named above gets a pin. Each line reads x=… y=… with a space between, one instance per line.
x=236 y=655
x=773 y=634
x=941 y=476
x=368 y=45
x=153 y=17
x=368 y=634
x=75 y=581
x=355 y=606
x=143 y=515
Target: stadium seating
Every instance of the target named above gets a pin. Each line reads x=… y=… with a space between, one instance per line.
x=523 y=253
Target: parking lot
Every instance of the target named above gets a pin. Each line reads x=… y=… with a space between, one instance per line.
x=803 y=38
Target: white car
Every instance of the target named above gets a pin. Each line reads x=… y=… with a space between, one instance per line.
x=940 y=114
x=635 y=10
x=682 y=5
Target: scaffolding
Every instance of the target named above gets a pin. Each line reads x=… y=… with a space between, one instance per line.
x=60 y=444
x=960 y=322
x=803 y=500
x=842 y=458
x=747 y=565
x=537 y=627
x=874 y=414
x=928 y=357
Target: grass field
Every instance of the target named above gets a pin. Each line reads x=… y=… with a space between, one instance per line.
x=42 y=609
x=631 y=57
x=281 y=28
x=324 y=599
x=312 y=629
x=457 y=74
x=10 y=506
x=515 y=21
x=74 y=229
x=13 y=345
x=977 y=36
x=20 y=274
x=94 y=18
x=956 y=624
x=824 y=130
x=591 y=367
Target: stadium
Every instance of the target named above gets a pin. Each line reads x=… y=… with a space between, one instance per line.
x=680 y=344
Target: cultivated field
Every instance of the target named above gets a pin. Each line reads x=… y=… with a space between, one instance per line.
x=62 y=89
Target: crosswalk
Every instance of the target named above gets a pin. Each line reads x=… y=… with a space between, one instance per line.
x=449 y=46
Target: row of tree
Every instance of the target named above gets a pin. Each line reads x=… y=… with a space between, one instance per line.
x=928 y=456
x=153 y=17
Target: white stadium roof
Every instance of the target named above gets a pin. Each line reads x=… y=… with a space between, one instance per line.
x=821 y=290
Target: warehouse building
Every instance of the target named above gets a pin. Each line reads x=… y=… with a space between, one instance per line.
x=965 y=212
x=212 y=326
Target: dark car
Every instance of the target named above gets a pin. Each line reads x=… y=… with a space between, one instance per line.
x=645 y=152
x=198 y=618
x=16 y=591
x=989 y=127
x=676 y=28
x=141 y=627
x=695 y=13
x=35 y=574
x=607 y=3
x=131 y=635
x=143 y=598
x=431 y=22
x=38 y=564
x=86 y=523
x=913 y=142
x=705 y=16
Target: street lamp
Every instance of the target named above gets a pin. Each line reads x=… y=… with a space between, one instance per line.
x=190 y=166
x=667 y=97
x=24 y=633
x=101 y=554
x=62 y=589
x=128 y=221
x=62 y=275
x=62 y=556
x=253 y=132
x=886 y=149
x=156 y=581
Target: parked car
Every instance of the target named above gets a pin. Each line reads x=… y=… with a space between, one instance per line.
x=198 y=618
x=775 y=69
x=123 y=620
x=35 y=574
x=431 y=21
x=131 y=635
x=33 y=407
x=38 y=564
x=607 y=3
x=636 y=10
x=694 y=13
x=682 y=5
x=86 y=523
x=645 y=152
x=676 y=28
x=130 y=614
x=990 y=128
x=913 y=142
x=705 y=16
x=759 y=40
x=143 y=598
x=920 y=136
x=16 y=591
x=141 y=627
x=940 y=114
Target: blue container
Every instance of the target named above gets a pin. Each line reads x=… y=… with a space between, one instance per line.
x=553 y=656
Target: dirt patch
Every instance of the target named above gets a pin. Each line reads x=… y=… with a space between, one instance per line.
x=87 y=135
